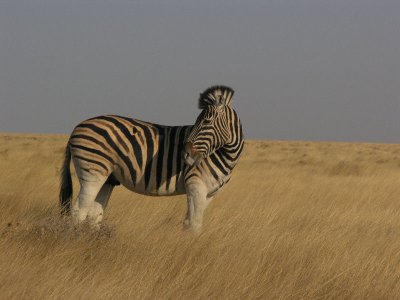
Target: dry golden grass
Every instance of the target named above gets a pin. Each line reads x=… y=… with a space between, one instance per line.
x=297 y=221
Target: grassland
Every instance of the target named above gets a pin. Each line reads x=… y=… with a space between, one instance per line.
x=299 y=220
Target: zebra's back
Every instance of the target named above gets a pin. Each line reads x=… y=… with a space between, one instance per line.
x=144 y=157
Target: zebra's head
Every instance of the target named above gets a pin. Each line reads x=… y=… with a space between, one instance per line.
x=214 y=127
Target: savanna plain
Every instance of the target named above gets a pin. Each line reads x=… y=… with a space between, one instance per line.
x=298 y=220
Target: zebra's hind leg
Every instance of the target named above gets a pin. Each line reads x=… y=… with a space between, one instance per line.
x=85 y=205
x=95 y=214
x=197 y=202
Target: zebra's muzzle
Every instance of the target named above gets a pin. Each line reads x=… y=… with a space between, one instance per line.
x=190 y=156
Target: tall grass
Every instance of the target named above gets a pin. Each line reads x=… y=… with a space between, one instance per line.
x=298 y=220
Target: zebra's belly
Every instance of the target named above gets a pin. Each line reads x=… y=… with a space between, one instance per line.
x=153 y=191
x=174 y=188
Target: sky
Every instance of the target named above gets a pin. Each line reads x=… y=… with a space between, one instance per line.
x=317 y=70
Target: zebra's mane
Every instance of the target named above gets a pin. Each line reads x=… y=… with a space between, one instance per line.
x=216 y=95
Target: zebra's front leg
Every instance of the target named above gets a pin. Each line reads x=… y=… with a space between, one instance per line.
x=197 y=202
x=189 y=213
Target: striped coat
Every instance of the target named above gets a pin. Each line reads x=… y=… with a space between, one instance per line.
x=153 y=159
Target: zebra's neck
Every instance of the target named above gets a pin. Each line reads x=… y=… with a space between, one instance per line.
x=233 y=149
x=231 y=153
x=222 y=161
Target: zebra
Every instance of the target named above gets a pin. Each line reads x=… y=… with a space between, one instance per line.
x=151 y=159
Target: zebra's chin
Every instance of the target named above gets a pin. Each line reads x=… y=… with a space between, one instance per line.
x=190 y=156
x=191 y=161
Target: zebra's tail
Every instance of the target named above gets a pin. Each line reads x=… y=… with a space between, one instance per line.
x=66 y=184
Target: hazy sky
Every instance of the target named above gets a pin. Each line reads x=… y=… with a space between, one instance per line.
x=301 y=69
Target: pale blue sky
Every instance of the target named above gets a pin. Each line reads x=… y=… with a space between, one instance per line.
x=301 y=69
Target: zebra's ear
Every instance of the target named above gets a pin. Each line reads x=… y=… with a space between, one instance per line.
x=217 y=96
